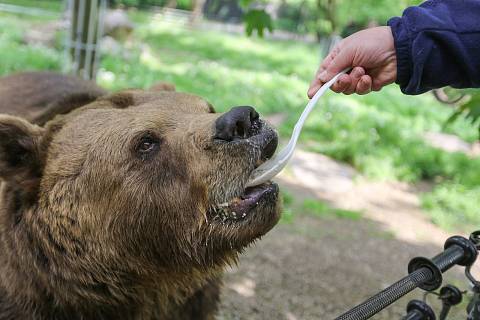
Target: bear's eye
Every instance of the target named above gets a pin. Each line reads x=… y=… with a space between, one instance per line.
x=147 y=144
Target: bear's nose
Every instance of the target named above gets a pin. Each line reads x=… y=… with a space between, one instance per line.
x=235 y=124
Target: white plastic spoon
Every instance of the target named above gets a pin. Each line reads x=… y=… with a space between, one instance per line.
x=272 y=167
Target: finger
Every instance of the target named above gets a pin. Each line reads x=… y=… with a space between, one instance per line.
x=329 y=58
x=341 y=61
x=364 y=85
x=376 y=85
x=321 y=72
x=314 y=87
x=316 y=83
x=355 y=76
x=342 y=83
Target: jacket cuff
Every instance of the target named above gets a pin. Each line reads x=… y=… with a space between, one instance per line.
x=402 y=41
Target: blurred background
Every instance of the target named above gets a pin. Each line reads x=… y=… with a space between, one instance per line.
x=377 y=179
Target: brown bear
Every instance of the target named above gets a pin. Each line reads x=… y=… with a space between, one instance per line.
x=129 y=207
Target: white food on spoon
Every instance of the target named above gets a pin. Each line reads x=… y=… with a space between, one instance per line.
x=272 y=167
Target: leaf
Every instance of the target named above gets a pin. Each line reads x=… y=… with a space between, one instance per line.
x=258 y=19
x=244 y=4
x=454 y=116
x=470 y=110
x=473 y=108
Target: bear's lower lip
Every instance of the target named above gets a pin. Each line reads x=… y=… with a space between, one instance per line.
x=239 y=207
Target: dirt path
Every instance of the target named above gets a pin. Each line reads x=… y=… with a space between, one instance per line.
x=316 y=268
x=393 y=204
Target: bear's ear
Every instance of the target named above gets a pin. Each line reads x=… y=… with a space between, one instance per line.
x=20 y=152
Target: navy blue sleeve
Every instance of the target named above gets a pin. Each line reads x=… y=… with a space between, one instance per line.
x=437 y=45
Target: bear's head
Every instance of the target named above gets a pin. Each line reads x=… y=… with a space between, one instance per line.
x=135 y=187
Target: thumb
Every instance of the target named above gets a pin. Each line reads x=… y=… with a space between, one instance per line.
x=340 y=61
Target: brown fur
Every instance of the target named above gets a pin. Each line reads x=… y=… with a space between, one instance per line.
x=39 y=96
x=93 y=228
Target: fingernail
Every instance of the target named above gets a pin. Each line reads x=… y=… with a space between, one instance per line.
x=322 y=76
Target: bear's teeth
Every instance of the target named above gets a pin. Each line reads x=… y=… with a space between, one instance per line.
x=224 y=214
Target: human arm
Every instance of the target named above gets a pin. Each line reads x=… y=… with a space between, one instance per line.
x=434 y=45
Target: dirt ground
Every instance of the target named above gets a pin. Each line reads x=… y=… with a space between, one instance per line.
x=319 y=267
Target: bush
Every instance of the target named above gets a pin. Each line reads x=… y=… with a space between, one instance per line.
x=454 y=206
x=16 y=56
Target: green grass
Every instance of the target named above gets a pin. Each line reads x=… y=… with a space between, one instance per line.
x=16 y=56
x=454 y=206
x=322 y=209
x=226 y=70
x=288 y=202
x=50 y=5
x=379 y=134
x=313 y=207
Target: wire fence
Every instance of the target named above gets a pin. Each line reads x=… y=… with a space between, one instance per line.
x=82 y=42
x=83 y=31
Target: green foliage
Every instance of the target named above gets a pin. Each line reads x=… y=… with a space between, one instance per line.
x=313 y=207
x=380 y=134
x=323 y=17
x=16 y=56
x=365 y=11
x=245 y=4
x=143 y=4
x=228 y=70
x=287 y=198
x=454 y=206
x=347 y=214
x=468 y=109
x=316 y=207
x=50 y=5
x=257 y=19
x=288 y=207
x=320 y=208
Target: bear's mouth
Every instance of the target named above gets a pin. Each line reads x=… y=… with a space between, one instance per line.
x=246 y=201
x=240 y=208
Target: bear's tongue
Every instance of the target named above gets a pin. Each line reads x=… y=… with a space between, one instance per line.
x=249 y=199
x=238 y=208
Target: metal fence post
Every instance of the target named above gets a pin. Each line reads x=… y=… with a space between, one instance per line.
x=86 y=28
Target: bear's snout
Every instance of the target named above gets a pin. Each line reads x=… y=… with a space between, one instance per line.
x=236 y=123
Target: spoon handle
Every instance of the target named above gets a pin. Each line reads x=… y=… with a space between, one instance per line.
x=288 y=150
x=273 y=166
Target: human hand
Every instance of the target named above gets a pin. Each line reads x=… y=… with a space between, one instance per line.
x=371 y=55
